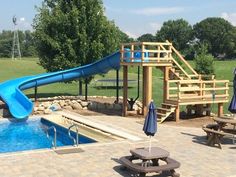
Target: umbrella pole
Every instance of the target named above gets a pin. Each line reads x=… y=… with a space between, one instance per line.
x=150 y=143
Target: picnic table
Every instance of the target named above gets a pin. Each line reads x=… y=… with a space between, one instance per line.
x=223 y=121
x=150 y=161
x=215 y=132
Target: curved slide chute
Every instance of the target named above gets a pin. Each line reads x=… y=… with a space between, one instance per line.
x=21 y=107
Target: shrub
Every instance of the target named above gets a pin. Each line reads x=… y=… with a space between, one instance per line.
x=204 y=63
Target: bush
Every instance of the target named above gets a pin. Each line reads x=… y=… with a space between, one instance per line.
x=204 y=63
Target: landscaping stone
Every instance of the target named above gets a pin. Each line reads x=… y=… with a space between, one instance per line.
x=46 y=104
x=77 y=106
x=68 y=108
x=62 y=103
x=84 y=103
x=47 y=111
x=55 y=107
x=41 y=108
x=85 y=108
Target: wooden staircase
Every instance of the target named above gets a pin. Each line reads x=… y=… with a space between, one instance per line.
x=186 y=87
x=165 y=111
x=182 y=84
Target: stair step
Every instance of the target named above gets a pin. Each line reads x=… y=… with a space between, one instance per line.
x=160 y=114
x=168 y=105
x=163 y=109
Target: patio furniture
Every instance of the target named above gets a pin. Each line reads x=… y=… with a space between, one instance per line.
x=215 y=136
x=222 y=122
x=144 y=161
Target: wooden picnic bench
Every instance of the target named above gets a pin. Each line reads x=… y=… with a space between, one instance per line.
x=150 y=161
x=170 y=165
x=214 y=134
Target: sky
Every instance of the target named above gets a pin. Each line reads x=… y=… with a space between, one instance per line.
x=134 y=17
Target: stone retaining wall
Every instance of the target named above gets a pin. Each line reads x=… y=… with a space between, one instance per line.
x=48 y=105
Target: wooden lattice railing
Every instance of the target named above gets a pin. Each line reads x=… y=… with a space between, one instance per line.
x=197 y=89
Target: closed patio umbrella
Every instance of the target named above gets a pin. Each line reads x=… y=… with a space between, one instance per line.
x=232 y=106
x=150 y=124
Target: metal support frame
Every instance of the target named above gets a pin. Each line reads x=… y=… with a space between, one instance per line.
x=132 y=101
x=117 y=86
x=86 y=89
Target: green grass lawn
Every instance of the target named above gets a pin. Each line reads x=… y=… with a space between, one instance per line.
x=10 y=69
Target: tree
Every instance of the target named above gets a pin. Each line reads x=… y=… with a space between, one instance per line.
x=124 y=38
x=204 y=63
x=179 y=32
x=27 y=45
x=6 y=43
x=219 y=35
x=146 y=38
x=69 y=33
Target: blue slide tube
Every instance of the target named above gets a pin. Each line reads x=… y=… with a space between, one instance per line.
x=20 y=106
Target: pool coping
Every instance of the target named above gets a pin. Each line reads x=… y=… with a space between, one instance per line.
x=82 y=119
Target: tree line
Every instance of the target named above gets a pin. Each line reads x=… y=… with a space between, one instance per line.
x=26 y=40
x=216 y=35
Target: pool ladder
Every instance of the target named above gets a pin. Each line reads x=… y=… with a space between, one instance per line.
x=75 y=140
x=54 y=142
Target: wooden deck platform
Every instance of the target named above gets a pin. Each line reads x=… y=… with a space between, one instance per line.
x=182 y=85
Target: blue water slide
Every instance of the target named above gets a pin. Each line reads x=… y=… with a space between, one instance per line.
x=21 y=107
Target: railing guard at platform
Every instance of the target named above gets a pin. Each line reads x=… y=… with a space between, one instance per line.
x=197 y=89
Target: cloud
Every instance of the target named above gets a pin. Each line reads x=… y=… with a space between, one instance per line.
x=231 y=17
x=157 y=11
x=22 y=19
x=24 y=24
x=155 y=25
x=130 y=34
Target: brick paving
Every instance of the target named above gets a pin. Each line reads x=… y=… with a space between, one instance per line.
x=101 y=159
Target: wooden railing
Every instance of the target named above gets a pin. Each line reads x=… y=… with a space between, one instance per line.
x=138 y=51
x=184 y=64
x=197 y=89
x=156 y=52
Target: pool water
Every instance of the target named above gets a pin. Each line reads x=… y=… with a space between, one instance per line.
x=31 y=134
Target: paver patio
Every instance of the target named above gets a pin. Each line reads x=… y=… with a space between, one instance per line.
x=101 y=159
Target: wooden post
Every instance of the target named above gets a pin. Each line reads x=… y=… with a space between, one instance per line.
x=165 y=84
x=147 y=87
x=220 y=109
x=125 y=90
x=208 y=109
x=177 y=111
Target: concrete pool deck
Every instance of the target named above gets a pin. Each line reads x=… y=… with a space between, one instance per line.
x=186 y=145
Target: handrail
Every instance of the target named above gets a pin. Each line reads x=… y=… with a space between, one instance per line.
x=202 y=89
x=181 y=68
x=75 y=140
x=54 y=142
x=183 y=60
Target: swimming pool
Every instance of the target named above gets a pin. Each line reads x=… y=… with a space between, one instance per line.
x=31 y=134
